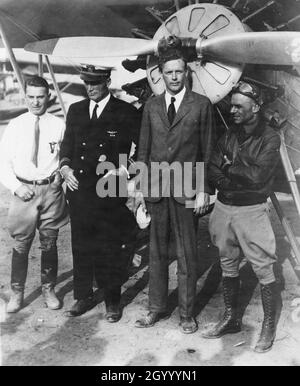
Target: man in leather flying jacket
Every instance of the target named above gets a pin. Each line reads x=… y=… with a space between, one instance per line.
x=242 y=169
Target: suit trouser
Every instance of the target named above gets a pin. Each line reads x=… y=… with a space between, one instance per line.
x=47 y=212
x=246 y=229
x=100 y=249
x=167 y=215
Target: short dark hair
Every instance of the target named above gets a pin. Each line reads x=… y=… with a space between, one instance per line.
x=37 y=81
x=171 y=55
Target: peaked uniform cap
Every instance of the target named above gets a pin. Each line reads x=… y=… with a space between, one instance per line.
x=93 y=73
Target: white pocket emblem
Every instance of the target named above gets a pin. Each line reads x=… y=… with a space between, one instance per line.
x=112 y=133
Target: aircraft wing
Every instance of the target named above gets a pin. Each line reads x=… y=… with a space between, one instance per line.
x=25 y=21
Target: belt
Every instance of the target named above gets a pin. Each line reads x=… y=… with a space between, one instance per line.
x=44 y=181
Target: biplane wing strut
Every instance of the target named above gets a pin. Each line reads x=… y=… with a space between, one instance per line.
x=18 y=72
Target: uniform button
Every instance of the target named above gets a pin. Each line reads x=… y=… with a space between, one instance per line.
x=80 y=171
x=82 y=157
x=83 y=143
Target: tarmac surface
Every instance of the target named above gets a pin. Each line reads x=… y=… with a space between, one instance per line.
x=36 y=336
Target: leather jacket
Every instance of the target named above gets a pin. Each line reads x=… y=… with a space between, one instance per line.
x=254 y=158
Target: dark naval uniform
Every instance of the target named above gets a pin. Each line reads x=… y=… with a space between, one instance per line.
x=101 y=226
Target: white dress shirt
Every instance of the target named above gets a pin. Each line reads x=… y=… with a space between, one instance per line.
x=178 y=98
x=16 y=149
x=101 y=106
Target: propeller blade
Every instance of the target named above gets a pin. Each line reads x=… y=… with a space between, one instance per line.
x=281 y=48
x=93 y=47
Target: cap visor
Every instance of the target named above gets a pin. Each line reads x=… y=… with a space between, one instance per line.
x=92 y=78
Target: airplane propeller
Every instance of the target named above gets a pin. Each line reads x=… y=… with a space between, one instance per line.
x=280 y=48
x=93 y=47
x=216 y=41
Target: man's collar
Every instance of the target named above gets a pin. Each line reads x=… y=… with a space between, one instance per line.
x=102 y=102
x=43 y=116
x=101 y=105
x=178 y=96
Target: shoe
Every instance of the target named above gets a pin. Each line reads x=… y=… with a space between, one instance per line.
x=50 y=298
x=151 y=318
x=82 y=306
x=113 y=313
x=267 y=335
x=188 y=325
x=225 y=326
x=16 y=301
x=229 y=324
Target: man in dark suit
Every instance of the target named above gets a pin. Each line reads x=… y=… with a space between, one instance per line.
x=98 y=130
x=177 y=127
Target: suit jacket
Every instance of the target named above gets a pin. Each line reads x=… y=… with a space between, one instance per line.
x=87 y=144
x=190 y=139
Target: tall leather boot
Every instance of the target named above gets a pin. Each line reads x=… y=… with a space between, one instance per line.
x=49 y=263
x=19 y=266
x=267 y=335
x=229 y=324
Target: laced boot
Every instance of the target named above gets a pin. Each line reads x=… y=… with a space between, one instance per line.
x=16 y=299
x=229 y=324
x=267 y=335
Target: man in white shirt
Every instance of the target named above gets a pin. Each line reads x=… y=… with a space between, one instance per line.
x=29 y=163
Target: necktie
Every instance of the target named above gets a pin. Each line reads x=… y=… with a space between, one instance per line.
x=36 y=140
x=171 y=110
x=94 y=116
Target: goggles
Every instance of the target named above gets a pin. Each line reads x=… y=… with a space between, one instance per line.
x=247 y=90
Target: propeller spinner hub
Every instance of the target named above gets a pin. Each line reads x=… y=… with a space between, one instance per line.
x=168 y=42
